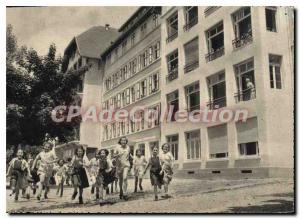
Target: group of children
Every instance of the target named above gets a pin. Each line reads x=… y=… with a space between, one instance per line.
x=99 y=172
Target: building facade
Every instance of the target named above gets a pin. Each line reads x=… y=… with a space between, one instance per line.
x=229 y=57
x=187 y=58
x=132 y=79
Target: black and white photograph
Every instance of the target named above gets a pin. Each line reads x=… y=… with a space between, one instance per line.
x=150 y=109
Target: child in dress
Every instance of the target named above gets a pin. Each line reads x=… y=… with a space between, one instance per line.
x=60 y=176
x=80 y=180
x=139 y=164
x=167 y=162
x=122 y=156
x=93 y=172
x=155 y=171
x=47 y=159
x=106 y=174
x=19 y=171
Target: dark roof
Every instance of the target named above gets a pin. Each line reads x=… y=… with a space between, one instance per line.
x=92 y=42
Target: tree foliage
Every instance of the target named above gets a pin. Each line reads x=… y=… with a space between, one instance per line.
x=35 y=85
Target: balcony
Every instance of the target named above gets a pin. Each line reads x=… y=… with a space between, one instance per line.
x=172 y=75
x=191 y=66
x=242 y=41
x=171 y=37
x=190 y=24
x=217 y=103
x=214 y=54
x=245 y=95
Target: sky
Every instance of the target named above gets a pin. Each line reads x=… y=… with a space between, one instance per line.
x=38 y=27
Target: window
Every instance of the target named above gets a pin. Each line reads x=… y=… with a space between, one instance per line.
x=108 y=59
x=143 y=29
x=142 y=148
x=192 y=96
x=191 y=51
x=153 y=144
x=173 y=102
x=144 y=59
x=193 y=144
x=242 y=27
x=172 y=60
x=218 y=141
x=150 y=54
x=274 y=70
x=113 y=130
x=127 y=96
x=217 y=91
x=172 y=27
x=132 y=67
x=116 y=53
x=132 y=89
x=153 y=83
x=248 y=149
x=173 y=141
x=191 y=17
x=245 y=81
x=122 y=125
x=138 y=90
x=153 y=116
x=215 y=42
x=143 y=88
x=124 y=47
x=132 y=39
x=132 y=125
x=155 y=20
x=156 y=50
x=119 y=100
x=247 y=137
x=271 y=18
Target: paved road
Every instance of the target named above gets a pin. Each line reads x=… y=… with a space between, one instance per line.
x=188 y=196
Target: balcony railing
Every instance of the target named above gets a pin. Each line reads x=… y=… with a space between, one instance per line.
x=217 y=103
x=172 y=37
x=192 y=108
x=214 y=54
x=243 y=40
x=172 y=75
x=190 y=24
x=191 y=66
x=245 y=95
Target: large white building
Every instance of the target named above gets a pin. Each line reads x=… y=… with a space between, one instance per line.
x=190 y=57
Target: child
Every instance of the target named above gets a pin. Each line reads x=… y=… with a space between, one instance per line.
x=47 y=159
x=123 y=156
x=167 y=162
x=155 y=171
x=60 y=176
x=94 y=168
x=106 y=173
x=80 y=180
x=115 y=182
x=19 y=170
x=139 y=163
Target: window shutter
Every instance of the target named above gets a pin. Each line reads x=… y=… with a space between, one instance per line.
x=247 y=131
x=218 y=140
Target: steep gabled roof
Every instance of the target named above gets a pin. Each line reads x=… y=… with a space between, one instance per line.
x=93 y=42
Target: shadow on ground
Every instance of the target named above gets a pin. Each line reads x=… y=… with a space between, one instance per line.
x=276 y=206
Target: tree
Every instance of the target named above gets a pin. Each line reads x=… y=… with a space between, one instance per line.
x=35 y=85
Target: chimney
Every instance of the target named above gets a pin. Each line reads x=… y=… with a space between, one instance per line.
x=107 y=26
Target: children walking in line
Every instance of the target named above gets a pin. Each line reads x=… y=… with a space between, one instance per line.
x=139 y=164
x=80 y=180
x=47 y=159
x=156 y=176
x=123 y=155
x=106 y=173
x=167 y=162
x=19 y=171
x=60 y=176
